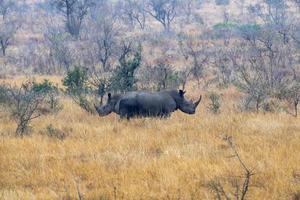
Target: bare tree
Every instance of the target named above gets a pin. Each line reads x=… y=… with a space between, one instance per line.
x=9 y=23
x=195 y=53
x=164 y=11
x=8 y=29
x=265 y=58
x=74 y=12
x=59 y=52
x=133 y=10
x=103 y=33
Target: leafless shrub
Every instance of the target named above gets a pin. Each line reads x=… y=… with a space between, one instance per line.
x=239 y=185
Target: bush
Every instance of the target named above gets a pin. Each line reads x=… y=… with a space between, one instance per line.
x=30 y=101
x=55 y=133
x=160 y=76
x=51 y=92
x=76 y=83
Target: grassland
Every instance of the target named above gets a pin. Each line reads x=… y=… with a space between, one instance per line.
x=105 y=158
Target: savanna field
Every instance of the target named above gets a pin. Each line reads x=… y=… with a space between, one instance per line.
x=243 y=57
x=176 y=158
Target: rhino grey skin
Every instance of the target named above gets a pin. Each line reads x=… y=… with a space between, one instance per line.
x=148 y=104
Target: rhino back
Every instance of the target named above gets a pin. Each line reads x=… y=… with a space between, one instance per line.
x=128 y=95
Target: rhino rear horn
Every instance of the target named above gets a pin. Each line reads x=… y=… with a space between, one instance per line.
x=181 y=93
x=197 y=102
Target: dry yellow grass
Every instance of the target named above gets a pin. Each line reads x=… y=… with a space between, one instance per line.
x=148 y=158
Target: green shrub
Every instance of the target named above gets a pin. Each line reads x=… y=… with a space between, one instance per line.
x=29 y=101
x=76 y=81
x=123 y=78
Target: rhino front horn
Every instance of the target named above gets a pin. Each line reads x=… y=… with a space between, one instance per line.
x=197 y=102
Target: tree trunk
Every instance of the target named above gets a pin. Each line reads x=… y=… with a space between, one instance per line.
x=3 y=48
x=3 y=51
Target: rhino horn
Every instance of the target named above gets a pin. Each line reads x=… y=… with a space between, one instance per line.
x=197 y=102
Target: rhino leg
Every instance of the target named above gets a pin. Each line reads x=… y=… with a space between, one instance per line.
x=126 y=114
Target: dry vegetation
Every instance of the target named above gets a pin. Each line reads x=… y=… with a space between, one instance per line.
x=105 y=158
x=71 y=154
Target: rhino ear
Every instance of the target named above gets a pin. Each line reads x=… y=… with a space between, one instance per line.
x=181 y=93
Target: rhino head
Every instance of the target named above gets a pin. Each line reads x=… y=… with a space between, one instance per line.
x=186 y=106
x=108 y=108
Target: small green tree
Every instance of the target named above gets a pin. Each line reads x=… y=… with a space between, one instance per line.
x=76 y=83
x=52 y=93
x=123 y=78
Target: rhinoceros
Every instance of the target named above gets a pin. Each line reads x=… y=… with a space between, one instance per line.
x=147 y=104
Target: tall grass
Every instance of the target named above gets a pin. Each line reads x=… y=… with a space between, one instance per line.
x=105 y=158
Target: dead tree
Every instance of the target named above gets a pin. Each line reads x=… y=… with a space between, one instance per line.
x=133 y=10
x=164 y=11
